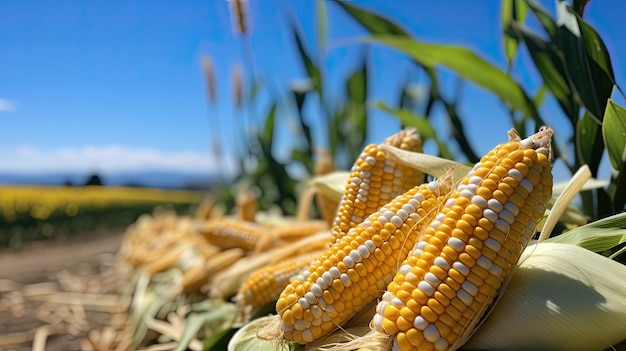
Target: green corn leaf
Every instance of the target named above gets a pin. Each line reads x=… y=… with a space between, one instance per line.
x=218 y=340
x=549 y=63
x=410 y=119
x=512 y=11
x=467 y=65
x=599 y=62
x=357 y=85
x=540 y=96
x=568 y=38
x=304 y=158
x=196 y=321
x=426 y=131
x=579 y=6
x=589 y=142
x=322 y=26
x=614 y=133
x=309 y=65
x=372 y=22
x=268 y=130
x=542 y=15
x=458 y=131
x=598 y=236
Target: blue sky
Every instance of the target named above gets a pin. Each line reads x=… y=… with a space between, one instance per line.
x=107 y=86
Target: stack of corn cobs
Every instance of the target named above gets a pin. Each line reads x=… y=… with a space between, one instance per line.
x=408 y=264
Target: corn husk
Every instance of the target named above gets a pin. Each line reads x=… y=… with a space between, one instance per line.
x=227 y=282
x=332 y=185
x=597 y=236
x=433 y=165
x=561 y=297
x=560 y=205
x=245 y=339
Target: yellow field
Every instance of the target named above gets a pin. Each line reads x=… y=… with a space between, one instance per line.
x=41 y=201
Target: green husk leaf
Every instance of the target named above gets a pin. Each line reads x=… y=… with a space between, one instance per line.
x=571 y=190
x=435 y=166
x=597 y=236
x=245 y=339
x=219 y=340
x=215 y=319
x=560 y=297
x=331 y=184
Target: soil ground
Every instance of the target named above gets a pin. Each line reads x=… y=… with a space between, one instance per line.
x=38 y=261
x=50 y=269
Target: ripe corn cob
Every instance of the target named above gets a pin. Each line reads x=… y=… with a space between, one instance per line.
x=228 y=234
x=297 y=230
x=375 y=179
x=287 y=233
x=353 y=271
x=453 y=274
x=247 y=205
x=197 y=269
x=265 y=284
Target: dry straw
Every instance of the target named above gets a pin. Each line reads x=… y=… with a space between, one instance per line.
x=207 y=67
x=238 y=16
x=237 y=86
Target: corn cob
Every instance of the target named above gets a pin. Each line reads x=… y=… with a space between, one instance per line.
x=453 y=274
x=247 y=205
x=375 y=179
x=265 y=284
x=228 y=234
x=352 y=272
x=197 y=270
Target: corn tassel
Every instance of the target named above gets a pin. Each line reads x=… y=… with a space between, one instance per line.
x=453 y=274
x=375 y=179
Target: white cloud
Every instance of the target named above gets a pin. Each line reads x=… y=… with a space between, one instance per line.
x=110 y=158
x=7 y=105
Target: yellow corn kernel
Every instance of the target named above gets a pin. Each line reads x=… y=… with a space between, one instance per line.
x=504 y=222
x=228 y=234
x=266 y=283
x=375 y=179
x=352 y=264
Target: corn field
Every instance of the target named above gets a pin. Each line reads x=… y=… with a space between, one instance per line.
x=29 y=213
x=395 y=248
